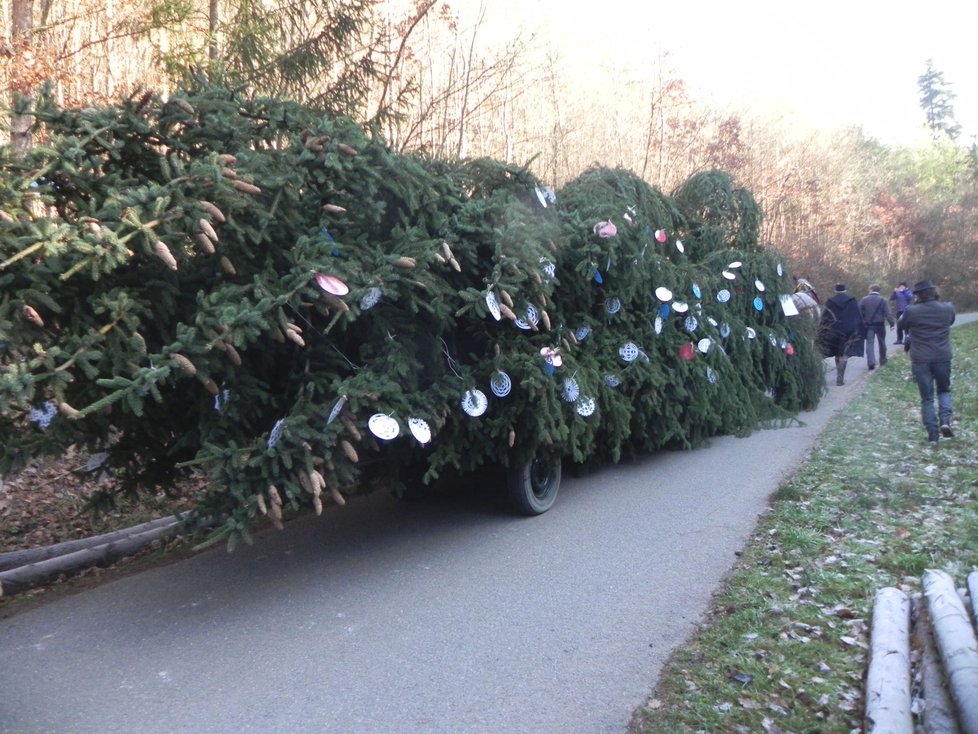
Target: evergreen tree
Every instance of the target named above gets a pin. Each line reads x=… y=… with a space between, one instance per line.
x=937 y=102
x=259 y=290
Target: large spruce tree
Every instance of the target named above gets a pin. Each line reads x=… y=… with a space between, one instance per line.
x=259 y=291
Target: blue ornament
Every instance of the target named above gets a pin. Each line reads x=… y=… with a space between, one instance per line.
x=328 y=236
x=758 y=304
x=597 y=277
x=664 y=310
x=549 y=368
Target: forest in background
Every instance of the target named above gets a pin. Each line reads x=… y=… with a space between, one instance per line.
x=839 y=205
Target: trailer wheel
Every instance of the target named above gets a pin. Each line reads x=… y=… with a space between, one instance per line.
x=533 y=484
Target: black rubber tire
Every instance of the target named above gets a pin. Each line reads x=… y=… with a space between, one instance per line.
x=533 y=484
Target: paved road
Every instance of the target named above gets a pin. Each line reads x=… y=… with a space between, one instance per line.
x=445 y=616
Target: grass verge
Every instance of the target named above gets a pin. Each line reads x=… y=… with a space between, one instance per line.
x=784 y=646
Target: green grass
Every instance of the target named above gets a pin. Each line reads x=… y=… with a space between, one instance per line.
x=784 y=646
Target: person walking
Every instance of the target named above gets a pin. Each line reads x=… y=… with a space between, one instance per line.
x=875 y=312
x=927 y=324
x=901 y=297
x=840 y=330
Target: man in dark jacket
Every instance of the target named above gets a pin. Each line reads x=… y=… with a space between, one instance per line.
x=875 y=312
x=927 y=323
x=840 y=330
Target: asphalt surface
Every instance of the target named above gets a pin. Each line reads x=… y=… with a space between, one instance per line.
x=443 y=616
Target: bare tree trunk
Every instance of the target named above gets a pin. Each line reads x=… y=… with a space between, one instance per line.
x=30 y=556
x=939 y=710
x=213 y=21
x=24 y=577
x=466 y=87
x=888 y=677
x=956 y=643
x=22 y=31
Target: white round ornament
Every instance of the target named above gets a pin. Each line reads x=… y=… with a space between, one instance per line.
x=500 y=384
x=612 y=380
x=332 y=285
x=658 y=325
x=582 y=332
x=713 y=321
x=547 y=267
x=541 y=197
x=337 y=409
x=711 y=375
x=724 y=330
x=571 y=390
x=735 y=264
x=728 y=275
x=384 y=427
x=773 y=339
x=492 y=303
x=780 y=270
x=680 y=246
x=475 y=402
x=759 y=285
x=751 y=334
x=704 y=345
x=628 y=351
x=690 y=323
x=420 y=430
x=585 y=407
x=371 y=298
x=723 y=295
x=612 y=305
x=663 y=294
x=530 y=320
x=680 y=306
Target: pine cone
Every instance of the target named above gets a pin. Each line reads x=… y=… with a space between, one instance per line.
x=164 y=254
x=351 y=453
x=246 y=187
x=204 y=243
x=207 y=229
x=183 y=363
x=33 y=316
x=212 y=209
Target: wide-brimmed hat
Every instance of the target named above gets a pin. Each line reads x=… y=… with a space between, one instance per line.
x=922 y=285
x=839 y=287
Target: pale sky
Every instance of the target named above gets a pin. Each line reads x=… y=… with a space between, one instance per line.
x=832 y=62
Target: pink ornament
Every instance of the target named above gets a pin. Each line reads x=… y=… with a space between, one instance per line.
x=332 y=284
x=660 y=235
x=604 y=230
x=790 y=349
x=687 y=352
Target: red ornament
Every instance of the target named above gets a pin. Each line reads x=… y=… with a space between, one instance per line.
x=660 y=235
x=687 y=352
x=790 y=349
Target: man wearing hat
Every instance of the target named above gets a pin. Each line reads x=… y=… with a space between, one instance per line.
x=840 y=330
x=927 y=324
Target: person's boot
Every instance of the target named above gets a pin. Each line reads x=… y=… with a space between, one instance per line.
x=840 y=372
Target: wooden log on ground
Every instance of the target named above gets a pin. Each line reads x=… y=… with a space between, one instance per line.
x=938 y=714
x=19 y=579
x=888 y=677
x=16 y=559
x=957 y=645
